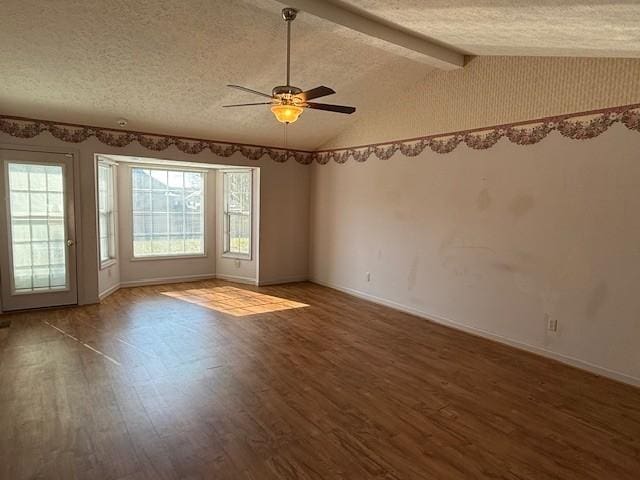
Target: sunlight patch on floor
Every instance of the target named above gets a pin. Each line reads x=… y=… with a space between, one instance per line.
x=234 y=301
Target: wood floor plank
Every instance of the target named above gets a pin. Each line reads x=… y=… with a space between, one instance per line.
x=216 y=380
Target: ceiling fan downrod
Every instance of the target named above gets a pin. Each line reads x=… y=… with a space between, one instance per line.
x=289 y=15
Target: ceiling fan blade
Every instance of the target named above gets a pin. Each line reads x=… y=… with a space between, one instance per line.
x=247 y=104
x=317 y=92
x=331 y=108
x=245 y=89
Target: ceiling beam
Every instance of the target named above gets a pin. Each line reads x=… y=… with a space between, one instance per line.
x=433 y=54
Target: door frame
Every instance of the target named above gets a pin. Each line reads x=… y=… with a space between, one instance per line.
x=74 y=156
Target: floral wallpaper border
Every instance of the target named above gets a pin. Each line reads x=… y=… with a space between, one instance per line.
x=72 y=133
x=577 y=126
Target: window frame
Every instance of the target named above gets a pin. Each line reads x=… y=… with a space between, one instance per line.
x=113 y=257
x=225 y=222
x=169 y=168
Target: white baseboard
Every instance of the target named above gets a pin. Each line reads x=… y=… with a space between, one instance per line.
x=237 y=279
x=566 y=359
x=108 y=291
x=164 y=280
x=146 y=282
x=281 y=280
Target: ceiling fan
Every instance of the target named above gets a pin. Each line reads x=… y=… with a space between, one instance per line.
x=288 y=102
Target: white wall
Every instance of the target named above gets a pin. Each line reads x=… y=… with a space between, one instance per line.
x=284 y=221
x=495 y=240
x=108 y=279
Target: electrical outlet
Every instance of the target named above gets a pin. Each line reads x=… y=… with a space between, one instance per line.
x=552 y=324
x=368 y=277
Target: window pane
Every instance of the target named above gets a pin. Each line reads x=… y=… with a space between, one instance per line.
x=193 y=202
x=40 y=253
x=37 y=178
x=56 y=253
x=239 y=226
x=237 y=212
x=57 y=276
x=103 y=223
x=176 y=180
x=19 y=177
x=193 y=224
x=165 y=217
x=141 y=246
x=56 y=230
x=159 y=179
x=22 y=278
x=21 y=231
x=55 y=204
x=194 y=245
x=39 y=204
x=22 y=255
x=104 y=248
x=159 y=201
x=41 y=277
x=36 y=211
x=141 y=201
x=192 y=181
x=141 y=224
x=141 y=178
x=54 y=181
x=160 y=244
x=39 y=231
x=106 y=216
x=160 y=223
x=176 y=201
x=19 y=204
x=176 y=223
x=176 y=244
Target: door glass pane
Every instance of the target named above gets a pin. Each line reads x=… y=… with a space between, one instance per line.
x=56 y=229
x=37 y=219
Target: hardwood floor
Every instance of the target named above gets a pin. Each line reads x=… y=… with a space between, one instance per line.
x=293 y=382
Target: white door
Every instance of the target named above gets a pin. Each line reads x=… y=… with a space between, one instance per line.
x=37 y=230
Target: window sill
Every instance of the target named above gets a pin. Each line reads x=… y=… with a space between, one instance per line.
x=168 y=257
x=108 y=263
x=237 y=256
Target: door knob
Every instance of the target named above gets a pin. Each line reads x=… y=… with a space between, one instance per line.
x=70 y=243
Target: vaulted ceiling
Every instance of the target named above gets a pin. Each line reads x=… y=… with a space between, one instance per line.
x=163 y=65
x=576 y=28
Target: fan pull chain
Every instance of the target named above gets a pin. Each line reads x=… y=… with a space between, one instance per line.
x=286 y=144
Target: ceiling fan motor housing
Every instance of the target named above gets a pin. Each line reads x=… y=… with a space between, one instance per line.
x=289 y=14
x=285 y=90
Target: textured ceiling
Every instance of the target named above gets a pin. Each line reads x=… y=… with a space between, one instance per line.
x=579 y=28
x=163 y=65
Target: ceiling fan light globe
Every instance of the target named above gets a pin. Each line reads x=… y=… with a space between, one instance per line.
x=287 y=113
